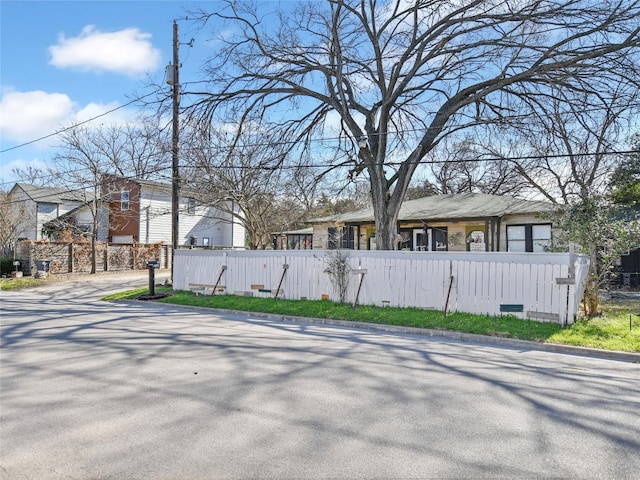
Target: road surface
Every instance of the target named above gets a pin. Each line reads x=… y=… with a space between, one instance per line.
x=93 y=389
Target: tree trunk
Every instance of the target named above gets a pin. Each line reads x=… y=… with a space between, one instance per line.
x=386 y=218
x=93 y=253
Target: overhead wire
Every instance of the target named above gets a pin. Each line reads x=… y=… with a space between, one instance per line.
x=76 y=125
x=294 y=166
x=78 y=190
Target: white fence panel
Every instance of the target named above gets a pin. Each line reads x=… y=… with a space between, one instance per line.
x=538 y=286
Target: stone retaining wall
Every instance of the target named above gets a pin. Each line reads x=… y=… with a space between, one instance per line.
x=66 y=257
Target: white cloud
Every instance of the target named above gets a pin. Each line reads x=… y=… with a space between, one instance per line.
x=127 y=51
x=6 y=170
x=29 y=115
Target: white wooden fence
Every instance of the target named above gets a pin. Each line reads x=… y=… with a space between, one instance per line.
x=542 y=286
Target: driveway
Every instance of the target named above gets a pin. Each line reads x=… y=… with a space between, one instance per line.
x=92 y=389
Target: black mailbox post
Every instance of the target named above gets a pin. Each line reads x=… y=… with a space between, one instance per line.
x=151 y=266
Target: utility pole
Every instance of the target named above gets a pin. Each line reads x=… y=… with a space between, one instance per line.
x=175 y=143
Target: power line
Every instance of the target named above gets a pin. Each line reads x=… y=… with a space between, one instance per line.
x=77 y=124
x=420 y=162
x=325 y=139
x=350 y=165
x=78 y=190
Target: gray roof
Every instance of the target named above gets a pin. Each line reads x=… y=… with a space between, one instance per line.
x=453 y=206
x=300 y=231
x=53 y=194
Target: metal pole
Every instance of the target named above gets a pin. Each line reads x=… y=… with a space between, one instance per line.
x=175 y=175
x=152 y=280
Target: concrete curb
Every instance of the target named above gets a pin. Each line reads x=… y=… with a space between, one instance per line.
x=448 y=334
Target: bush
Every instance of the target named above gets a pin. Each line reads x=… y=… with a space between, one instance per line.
x=6 y=266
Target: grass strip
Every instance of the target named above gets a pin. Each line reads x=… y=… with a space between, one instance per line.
x=618 y=328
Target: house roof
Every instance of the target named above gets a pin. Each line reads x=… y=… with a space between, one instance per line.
x=155 y=185
x=53 y=194
x=300 y=231
x=453 y=206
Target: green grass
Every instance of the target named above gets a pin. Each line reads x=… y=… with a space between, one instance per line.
x=22 y=282
x=133 y=294
x=506 y=326
x=609 y=331
x=612 y=330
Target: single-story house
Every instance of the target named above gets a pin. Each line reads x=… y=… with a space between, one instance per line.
x=141 y=211
x=456 y=222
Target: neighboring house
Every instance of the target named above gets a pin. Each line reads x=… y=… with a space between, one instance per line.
x=79 y=222
x=301 y=239
x=462 y=222
x=38 y=205
x=140 y=211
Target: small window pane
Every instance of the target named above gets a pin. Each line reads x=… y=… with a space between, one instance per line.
x=517 y=246
x=124 y=200
x=516 y=232
x=191 y=206
x=541 y=237
x=541 y=232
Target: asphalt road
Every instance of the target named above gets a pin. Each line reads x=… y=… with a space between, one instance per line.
x=97 y=390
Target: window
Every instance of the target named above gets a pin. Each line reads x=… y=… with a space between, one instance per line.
x=205 y=241
x=344 y=237
x=420 y=239
x=516 y=238
x=440 y=238
x=124 y=200
x=191 y=206
x=541 y=235
x=528 y=238
x=300 y=242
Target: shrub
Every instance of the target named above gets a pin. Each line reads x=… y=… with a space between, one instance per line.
x=6 y=266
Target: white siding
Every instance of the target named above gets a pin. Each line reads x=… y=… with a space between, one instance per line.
x=45 y=213
x=206 y=222
x=84 y=216
x=155 y=216
x=156 y=222
x=25 y=208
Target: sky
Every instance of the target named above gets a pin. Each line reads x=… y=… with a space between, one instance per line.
x=63 y=62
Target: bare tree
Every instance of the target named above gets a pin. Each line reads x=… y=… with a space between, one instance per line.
x=81 y=159
x=14 y=216
x=239 y=176
x=400 y=76
x=565 y=148
x=140 y=149
x=86 y=154
x=31 y=175
x=462 y=166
